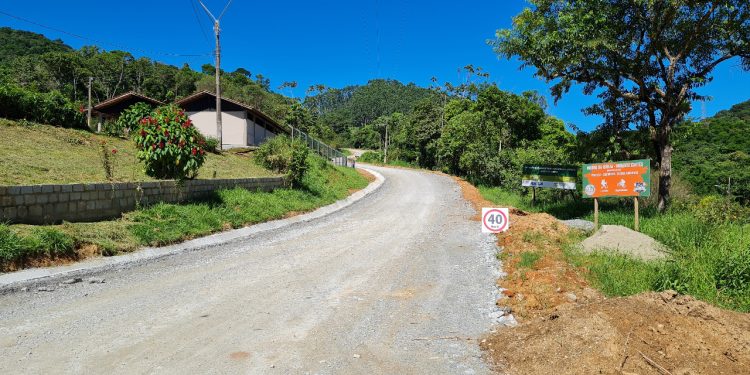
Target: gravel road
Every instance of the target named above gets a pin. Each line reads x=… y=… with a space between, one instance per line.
x=401 y=282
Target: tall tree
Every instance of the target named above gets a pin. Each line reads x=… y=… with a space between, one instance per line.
x=653 y=53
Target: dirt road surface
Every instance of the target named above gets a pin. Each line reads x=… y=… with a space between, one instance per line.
x=400 y=282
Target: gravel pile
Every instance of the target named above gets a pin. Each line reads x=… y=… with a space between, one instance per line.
x=619 y=239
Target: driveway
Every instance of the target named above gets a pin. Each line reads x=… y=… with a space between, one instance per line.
x=401 y=282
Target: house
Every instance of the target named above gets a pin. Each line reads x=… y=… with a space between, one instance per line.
x=242 y=125
x=110 y=109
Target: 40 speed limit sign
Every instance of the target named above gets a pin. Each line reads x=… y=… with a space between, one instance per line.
x=495 y=220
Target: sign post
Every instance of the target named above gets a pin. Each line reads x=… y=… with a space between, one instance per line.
x=495 y=220
x=617 y=179
x=550 y=176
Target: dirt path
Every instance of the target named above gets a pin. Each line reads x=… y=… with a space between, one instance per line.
x=400 y=282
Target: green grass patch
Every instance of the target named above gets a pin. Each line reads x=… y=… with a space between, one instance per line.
x=709 y=260
x=164 y=223
x=41 y=154
x=529 y=259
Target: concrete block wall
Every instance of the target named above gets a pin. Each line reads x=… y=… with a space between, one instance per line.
x=50 y=204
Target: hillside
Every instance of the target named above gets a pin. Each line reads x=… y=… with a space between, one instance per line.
x=15 y=43
x=710 y=152
x=357 y=105
x=37 y=154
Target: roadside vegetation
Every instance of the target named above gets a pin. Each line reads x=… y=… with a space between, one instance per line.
x=708 y=239
x=161 y=224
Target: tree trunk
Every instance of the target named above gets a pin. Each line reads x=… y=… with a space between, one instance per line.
x=665 y=172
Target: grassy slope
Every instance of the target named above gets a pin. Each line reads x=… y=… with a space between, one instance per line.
x=710 y=261
x=37 y=154
x=24 y=245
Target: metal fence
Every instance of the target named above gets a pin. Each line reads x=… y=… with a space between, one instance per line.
x=331 y=154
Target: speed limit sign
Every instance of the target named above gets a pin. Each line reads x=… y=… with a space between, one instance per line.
x=495 y=220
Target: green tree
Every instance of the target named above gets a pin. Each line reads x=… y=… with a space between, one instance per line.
x=653 y=53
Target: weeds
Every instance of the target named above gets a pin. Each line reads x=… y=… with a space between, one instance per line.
x=529 y=259
x=710 y=259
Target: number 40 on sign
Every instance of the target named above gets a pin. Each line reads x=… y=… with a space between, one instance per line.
x=495 y=220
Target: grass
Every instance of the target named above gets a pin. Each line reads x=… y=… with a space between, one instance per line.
x=529 y=259
x=710 y=260
x=164 y=223
x=38 y=154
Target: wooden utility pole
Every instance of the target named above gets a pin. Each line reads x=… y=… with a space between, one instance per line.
x=218 y=86
x=385 y=144
x=217 y=30
x=88 y=113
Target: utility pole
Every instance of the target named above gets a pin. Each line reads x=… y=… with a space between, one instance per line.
x=385 y=144
x=88 y=113
x=218 y=69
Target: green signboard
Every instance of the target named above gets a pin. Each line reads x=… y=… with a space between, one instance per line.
x=617 y=179
x=550 y=176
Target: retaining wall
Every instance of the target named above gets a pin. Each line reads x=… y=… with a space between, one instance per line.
x=49 y=204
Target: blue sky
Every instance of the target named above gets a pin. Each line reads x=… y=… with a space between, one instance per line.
x=336 y=43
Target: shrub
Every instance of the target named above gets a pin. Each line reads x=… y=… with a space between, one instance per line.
x=53 y=108
x=283 y=155
x=371 y=157
x=719 y=210
x=169 y=144
x=212 y=145
x=129 y=119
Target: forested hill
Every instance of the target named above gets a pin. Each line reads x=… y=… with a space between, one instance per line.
x=358 y=105
x=710 y=152
x=30 y=64
x=15 y=43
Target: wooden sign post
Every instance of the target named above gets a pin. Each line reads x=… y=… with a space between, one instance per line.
x=596 y=213
x=635 y=204
x=617 y=179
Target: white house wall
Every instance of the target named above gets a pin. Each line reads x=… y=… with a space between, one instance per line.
x=233 y=125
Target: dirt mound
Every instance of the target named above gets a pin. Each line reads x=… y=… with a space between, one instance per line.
x=650 y=333
x=624 y=241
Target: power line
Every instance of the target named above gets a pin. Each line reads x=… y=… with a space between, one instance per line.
x=200 y=24
x=151 y=53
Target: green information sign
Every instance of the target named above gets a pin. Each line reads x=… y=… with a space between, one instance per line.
x=550 y=176
x=617 y=179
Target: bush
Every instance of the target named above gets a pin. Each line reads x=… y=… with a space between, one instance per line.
x=371 y=157
x=169 y=144
x=286 y=156
x=129 y=119
x=212 y=145
x=53 y=108
x=720 y=210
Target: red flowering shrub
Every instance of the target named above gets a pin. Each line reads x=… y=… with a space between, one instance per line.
x=169 y=144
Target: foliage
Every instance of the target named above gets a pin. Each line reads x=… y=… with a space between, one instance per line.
x=645 y=55
x=169 y=145
x=15 y=43
x=107 y=154
x=212 y=145
x=709 y=259
x=371 y=157
x=130 y=119
x=712 y=152
x=164 y=223
x=49 y=108
x=285 y=156
x=721 y=210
